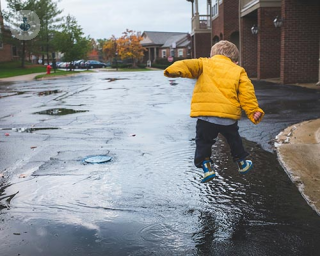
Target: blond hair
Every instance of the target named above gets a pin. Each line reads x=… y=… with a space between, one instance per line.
x=225 y=48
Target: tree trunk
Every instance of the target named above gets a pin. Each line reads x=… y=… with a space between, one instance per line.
x=134 y=63
x=23 y=53
x=47 y=44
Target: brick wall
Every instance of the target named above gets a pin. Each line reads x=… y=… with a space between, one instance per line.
x=218 y=24
x=203 y=44
x=231 y=18
x=300 y=41
x=5 y=50
x=269 y=40
x=5 y=53
x=248 y=45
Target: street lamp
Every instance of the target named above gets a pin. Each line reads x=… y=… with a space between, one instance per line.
x=254 y=29
x=117 y=60
x=278 y=21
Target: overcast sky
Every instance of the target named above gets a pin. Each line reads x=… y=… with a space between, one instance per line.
x=104 y=18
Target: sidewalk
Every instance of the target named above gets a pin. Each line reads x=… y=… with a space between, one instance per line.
x=21 y=78
x=298 y=150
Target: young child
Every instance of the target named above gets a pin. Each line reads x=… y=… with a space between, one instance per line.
x=221 y=91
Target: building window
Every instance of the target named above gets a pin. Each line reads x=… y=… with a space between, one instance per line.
x=215 y=40
x=180 y=53
x=215 y=8
x=14 y=51
x=164 y=53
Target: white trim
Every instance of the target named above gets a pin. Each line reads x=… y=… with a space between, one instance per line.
x=215 y=8
x=249 y=5
x=163 y=53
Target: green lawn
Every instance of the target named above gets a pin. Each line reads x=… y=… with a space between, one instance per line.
x=61 y=73
x=13 y=68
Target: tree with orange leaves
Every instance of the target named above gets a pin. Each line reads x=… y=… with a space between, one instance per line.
x=110 y=48
x=129 y=47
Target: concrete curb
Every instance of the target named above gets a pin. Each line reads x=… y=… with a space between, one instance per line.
x=298 y=151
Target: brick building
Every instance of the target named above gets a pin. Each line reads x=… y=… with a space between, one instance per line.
x=165 y=44
x=6 y=53
x=289 y=51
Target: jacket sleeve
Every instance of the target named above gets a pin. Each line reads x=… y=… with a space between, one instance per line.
x=184 y=68
x=247 y=97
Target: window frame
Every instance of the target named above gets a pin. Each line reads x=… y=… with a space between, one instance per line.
x=215 y=8
x=164 y=53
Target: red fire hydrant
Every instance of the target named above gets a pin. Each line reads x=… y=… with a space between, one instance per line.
x=49 y=69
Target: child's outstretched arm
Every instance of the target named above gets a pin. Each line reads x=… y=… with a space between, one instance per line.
x=248 y=99
x=184 y=68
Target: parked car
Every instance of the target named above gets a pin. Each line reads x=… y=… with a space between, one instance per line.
x=64 y=64
x=80 y=64
x=95 y=64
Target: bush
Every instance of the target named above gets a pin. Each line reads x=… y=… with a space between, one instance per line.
x=160 y=66
x=142 y=65
x=121 y=65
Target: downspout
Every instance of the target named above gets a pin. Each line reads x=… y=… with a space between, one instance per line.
x=319 y=63
x=240 y=41
x=211 y=27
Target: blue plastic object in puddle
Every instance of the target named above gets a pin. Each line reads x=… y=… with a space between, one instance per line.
x=97 y=159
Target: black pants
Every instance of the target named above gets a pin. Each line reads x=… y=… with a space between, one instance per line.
x=206 y=134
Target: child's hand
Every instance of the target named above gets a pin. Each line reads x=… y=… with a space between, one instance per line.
x=257 y=115
x=166 y=73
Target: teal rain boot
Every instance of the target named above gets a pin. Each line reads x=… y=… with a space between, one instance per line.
x=244 y=166
x=209 y=173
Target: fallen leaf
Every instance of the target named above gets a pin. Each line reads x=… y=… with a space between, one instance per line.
x=33 y=147
x=22 y=176
x=132 y=135
x=1 y=175
x=6 y=134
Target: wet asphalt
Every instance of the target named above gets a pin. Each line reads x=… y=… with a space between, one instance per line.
x=148 y=200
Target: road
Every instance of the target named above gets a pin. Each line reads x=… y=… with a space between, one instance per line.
x=148 y=200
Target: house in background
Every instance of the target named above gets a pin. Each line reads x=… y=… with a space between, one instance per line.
x=165 y=44
x=276 y=38
x=93 y=55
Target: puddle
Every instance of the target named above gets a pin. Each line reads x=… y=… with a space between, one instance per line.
x=45 y=93
x=29 y=130
x=100 y=159
x=12 y=94
x=173 y=82
x=59 y=111
x=114 y=79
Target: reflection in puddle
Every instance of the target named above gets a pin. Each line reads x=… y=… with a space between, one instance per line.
x=13 y=94
x=44 y=93
x=114 y=79
x=59 y=111
x=29 y=130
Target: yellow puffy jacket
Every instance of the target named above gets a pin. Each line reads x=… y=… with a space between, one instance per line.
x=222 y=88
